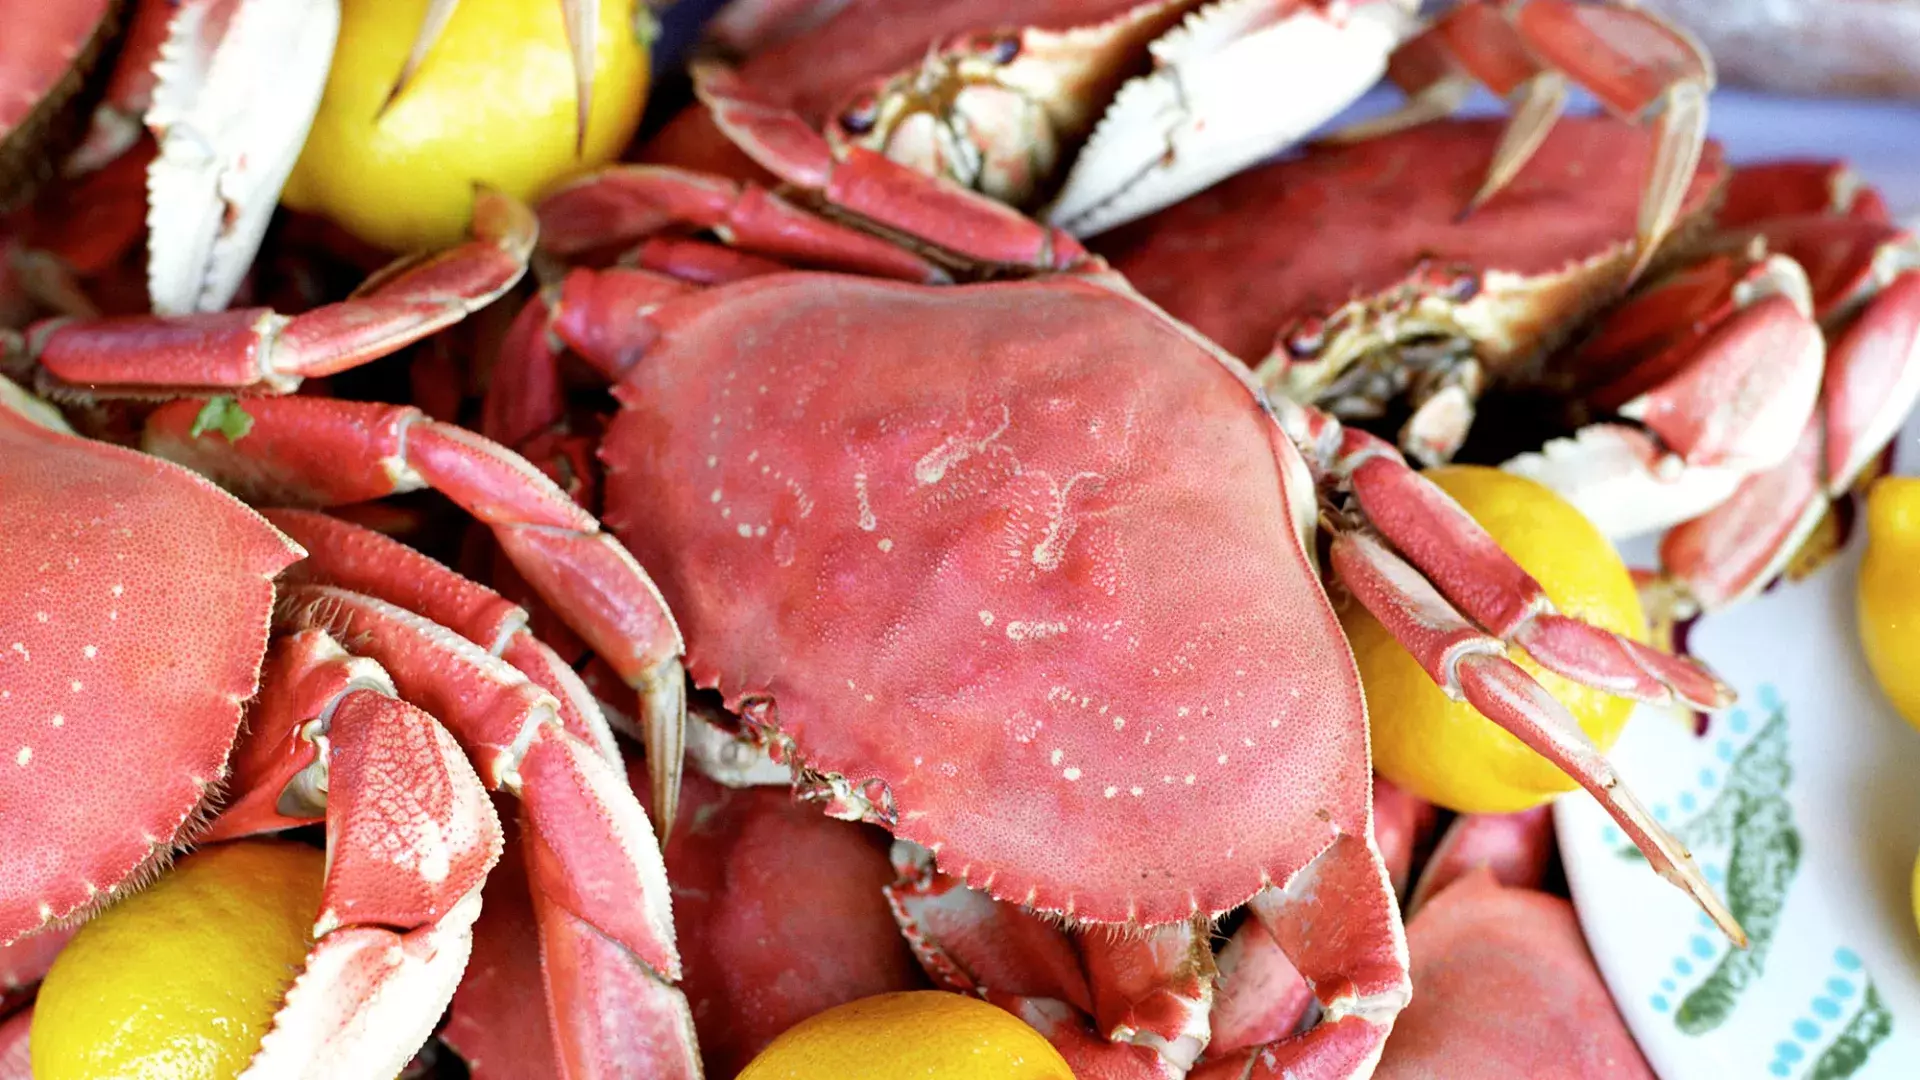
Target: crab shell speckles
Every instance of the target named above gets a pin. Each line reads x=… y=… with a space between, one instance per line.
x=1020 y=563
x=135 y=597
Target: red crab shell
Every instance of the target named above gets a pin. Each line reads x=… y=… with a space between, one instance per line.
x=1504 y=987
x=779 y=913
x=131 y=643
x=1265 y=262
x=923 y=533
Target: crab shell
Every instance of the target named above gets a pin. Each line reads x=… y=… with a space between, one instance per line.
x=1504 y=986
x=153 y=604
x=1307 y=266
x=758 y=958
x=45 y=56
x=1016 y=570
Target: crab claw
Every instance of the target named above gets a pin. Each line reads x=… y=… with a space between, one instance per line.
x=237 y=87
x=395 y=926
x=1720 y=364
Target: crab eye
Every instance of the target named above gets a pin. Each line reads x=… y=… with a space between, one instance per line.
x=1002 y=49
x=860 y=119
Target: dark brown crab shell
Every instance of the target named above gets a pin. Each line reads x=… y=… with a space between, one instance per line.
x=1309 y=266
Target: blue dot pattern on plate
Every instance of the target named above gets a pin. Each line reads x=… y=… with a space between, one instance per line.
x=1738 y=820
x=1747 y=818
x=1850 y=1045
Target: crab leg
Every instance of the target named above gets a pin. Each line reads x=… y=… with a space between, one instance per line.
x=1152 y=986
x=1469 y=569
x=116 y=123
x=329 y=740
x=1336 y=921
x=326 y=452
x=259 y=349
x=1527 y=52
x=628 y=203
x=488 y=1024
x=25 y=962
x=970 y=943
x=600 y=888
x=1259 y=996
x=1735 y=549
x=510 y=729
x=867 y=183
x=339 y=553
x=1402 y=826
x=1473 y=665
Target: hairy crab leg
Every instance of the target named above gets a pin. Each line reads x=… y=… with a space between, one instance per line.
x=329 y=740
x=327 y=452
x=1473 y=665
x=259 y=349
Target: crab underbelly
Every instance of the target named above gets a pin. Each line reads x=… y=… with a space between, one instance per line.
x=1019 y=554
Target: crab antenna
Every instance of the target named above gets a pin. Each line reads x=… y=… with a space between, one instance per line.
x=583 y=20
x=432 y=25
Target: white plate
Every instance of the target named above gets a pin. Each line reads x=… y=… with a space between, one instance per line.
x=1802 y=804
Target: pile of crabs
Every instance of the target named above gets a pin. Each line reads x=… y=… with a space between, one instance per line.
x=946 y=593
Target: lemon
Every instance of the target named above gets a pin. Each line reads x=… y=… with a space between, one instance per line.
x=494 y=102
x=1446 y=752
x=1916 y=893
x=922 y=1033
x=1889 y=591
x=179 y=982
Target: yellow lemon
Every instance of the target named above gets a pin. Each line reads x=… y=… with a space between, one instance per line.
x=179 y=982
x=1916 y=892
x=924 y=1033
x=1445 y=751
x=1889 y=591
x=493 y=102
